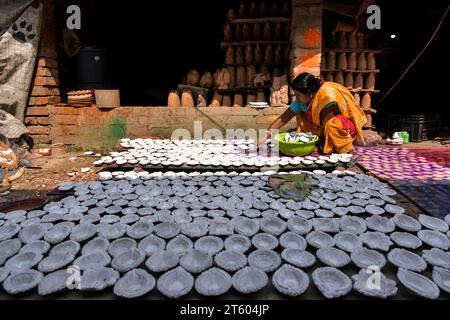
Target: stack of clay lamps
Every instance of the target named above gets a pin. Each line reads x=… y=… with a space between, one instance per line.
x=208 y=153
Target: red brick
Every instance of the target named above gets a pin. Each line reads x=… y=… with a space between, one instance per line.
x=63 y=110
x=54 y=100
x=38 y=130
x=41 y=91
x=37 y=111
x=39 y=140
x=37 y=120
x=64 y=119
x=47 y=62
x=40 y=101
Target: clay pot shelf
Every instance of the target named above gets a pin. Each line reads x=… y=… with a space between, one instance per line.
x=353 y=50
x=353 y=71
x=270 y=64
x=261 y=20
x=364 y=90
x=246 y=43
x=243 y=89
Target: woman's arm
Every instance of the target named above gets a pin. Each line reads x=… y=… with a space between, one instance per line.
x=280 y=122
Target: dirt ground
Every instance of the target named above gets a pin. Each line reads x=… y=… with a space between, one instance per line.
x=47 y=173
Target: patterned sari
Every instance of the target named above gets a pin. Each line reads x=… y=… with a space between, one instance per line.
x=341 y=130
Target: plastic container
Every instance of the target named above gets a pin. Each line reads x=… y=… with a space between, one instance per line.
x=419 y=127
x=295 y=148
x=93 y=68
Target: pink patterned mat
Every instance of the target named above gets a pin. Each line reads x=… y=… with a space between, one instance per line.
x=422 y=174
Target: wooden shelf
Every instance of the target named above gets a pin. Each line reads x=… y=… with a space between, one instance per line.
x=353 y=71
x=246 y=43
x=364 y=90
x=243 y=89
x=270 y=64
x=353 y=50
x=261 y=20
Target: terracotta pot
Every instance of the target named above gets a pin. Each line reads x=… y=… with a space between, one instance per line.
x=352 y=41
x=331 y=60
x=358 y=81
x=223 y=79
x=231 y=15
x=361 y=64
x=260 y=96
x=351 y=62
x=366 y=101
x=238 y=33
x=242 y=12
x=226 y=101
x=278 y=32
x=253 y=10
x=257 y=32
x=275 y=9
x=263 y=69
x=58 y=150
x=341 y=40
x=278 y=57
x=250 y=75
x=238 y=100
x=207 y=80
x=287 y=53
x=348 y=80
x=360 y=40
x=240 y=76
x=246 y=33
x=216 y=100
x=186 y=99
x=248 y=54
x=329 y=77
x=268 y=54
x=193 y=78
x=370 y=81
x=286 y=9
x=342 y=61
x=287 y=32
x=232 y=72
x=277 y=72
x=229 y=55
x=227 y=33
x=371 y=64
x=201 y=101
x=339 y=77
x=263 y=10
x=357 y=98
x=258 y=54
x=173 y=101
x=250 y=98
x=369 y=123
x=239 y=55
x=267 y=33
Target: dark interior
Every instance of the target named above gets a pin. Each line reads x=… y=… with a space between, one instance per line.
x=153 y=44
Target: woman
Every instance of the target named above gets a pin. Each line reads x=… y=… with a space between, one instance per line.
x=326 y=109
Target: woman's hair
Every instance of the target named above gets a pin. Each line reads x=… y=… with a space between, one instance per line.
x=306 y=83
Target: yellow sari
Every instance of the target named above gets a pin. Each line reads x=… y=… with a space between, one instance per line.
x=337 y=137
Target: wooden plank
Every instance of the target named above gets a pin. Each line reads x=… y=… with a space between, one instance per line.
x=262 y=20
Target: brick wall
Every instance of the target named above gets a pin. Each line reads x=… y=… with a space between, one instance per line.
x=44 y=89
x=92 y=128
x=306 y=36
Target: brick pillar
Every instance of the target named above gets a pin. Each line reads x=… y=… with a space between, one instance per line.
x=44 y=90
x=306 y=36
